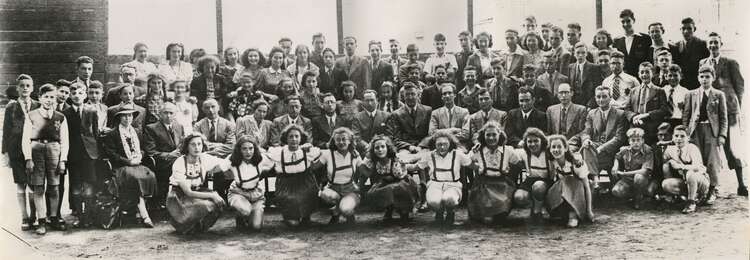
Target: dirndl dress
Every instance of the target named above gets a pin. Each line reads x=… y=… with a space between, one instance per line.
x=569 y=190
x=189 y=214
x=134 y=182
x=491 y=195
x=296 y=193
x=388 y=190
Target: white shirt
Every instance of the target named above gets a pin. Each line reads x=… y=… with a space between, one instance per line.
x=678 y=97
x=628 y=43
x=434 y=60
x=627 y=82
x=331 y=118
x=526 y=114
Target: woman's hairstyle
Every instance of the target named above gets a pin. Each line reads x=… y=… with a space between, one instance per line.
x=502 y=137
x=308 y=74
x=273 y=51
x=236 y=158
x=227 y=50
x=172 y=45
x=342 y=131
x=534 y=132
x=606 y=34
x=391 y=149
x=290 y=128
x=245 y=62
x=155 y=76
x=196 y=53
x=258 y=103
x=482 y=34
x=137 y=46
x=190 y=137
x=174 y=83
x=568 y=155
x=299 y=49
x=206 y=60
x=443 y=133
x=539 y=40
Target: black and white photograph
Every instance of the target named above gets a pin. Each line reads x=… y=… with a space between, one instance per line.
x=374 y=129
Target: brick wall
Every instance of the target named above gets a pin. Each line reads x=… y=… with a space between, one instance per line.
x=43 y=38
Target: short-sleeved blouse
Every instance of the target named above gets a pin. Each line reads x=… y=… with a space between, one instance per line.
x=496 y=162
x=195 y=173
x=444 y=168
x=291 y=162
x=345 y=166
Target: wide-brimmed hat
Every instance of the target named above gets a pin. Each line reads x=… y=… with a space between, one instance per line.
x=125 y=111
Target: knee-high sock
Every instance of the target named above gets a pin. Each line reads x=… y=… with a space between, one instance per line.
x=738 y=172
x=53 y=196
x=41 y=207
x=21 y=198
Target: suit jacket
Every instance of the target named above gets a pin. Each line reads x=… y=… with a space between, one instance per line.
x=60 y=108
x=716 y=108
x=13 y=127
x=461 y=58
x=113 y=149
x=441 y=119
x=552 y=81
x=225 y=135
x=575 y=120
x=583 y=88
x=365 y=128
x=518 y=125
x=609 y=135
x=321 y=130
x=83 y=130
x=137 y=122
x=432 y=97
x=317 y=58
x=517 y=62
x=327 y=82
x=688 y=55
x=656 y=106
x=382 y=72
x=222 y=86
x=475 y=122
x=158 y=143
x=407 y=131
x=281 y=122
x=482 y=72
x=729 y=80
x=640 y=51
x=357 y=71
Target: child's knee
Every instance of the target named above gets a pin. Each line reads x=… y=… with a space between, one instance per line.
x=640 y=180
x=521 y=198
x=539 y=190
x=329 y=196
x=671 y=186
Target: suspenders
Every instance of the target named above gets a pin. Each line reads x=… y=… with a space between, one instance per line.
x=204 y=183
x=239 y=175
x=284 y=164
x=351 y=165
x=484 y=162
x=453 y=164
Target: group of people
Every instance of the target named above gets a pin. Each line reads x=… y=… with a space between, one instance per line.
x=536 y=125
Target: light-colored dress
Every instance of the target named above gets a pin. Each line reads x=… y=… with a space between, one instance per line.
x=569 y=187
x=187 y=114
x=183 y=71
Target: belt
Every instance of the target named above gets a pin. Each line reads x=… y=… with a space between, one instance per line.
x=44 y=141
x=704 y=122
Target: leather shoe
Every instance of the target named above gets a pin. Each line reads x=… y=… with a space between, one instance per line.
x=742 y=191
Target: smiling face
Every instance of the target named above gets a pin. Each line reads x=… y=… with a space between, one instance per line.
x=679 y=137
x=175 y=53
x=532 y=43
x=492 y=137
x=141 y=53
x=655 y=32
x=714 y=43
x=603 y=98
x=375 y=51
x=558 y=148
x=126 y=120
x=601 y=41
x=645 y=74
x=77 y=96
x=673 y=78
x=439 y=46
x=470 y=77
x=627 y=23
x=616 y=65
x=442 y=145
x=380 y=148
x=534 y=144
x=342 y=141
x=48 y=99
x=253 y=58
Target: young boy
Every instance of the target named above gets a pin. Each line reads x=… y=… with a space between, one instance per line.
x=15 y=115
x=440 y=57
x=467 y=97
x=84 y=70
x=632 y=170
x=95 y=93
x=431 y=95
x=63 y=93
x=647 y=106
x=705 y=116
x=84 y=130
x=394 y=59
x=502 y=89
x=663 y=61
x=44 y=144
x=684 y=172
x=675 y=95
x=412 y=52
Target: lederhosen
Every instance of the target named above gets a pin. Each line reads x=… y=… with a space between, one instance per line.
x=529 y=181
x=342 y=188
x=436 y=170
x=491 y=195
x=253 y=194
x=296 y=193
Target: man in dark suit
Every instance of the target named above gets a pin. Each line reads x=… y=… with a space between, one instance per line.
x=162 y=143
x=647 y=104
x=584 y=77
x=319 y=44
x=409 y=124
x=566 y=118
x=604 y=132
x=353 y=68
x=15 y=115
x=369 y=122
x=542 y=97
x=462 y=57
x=83 y=129
x=328 y=73
x=323 y=126
x=431 y=95
x=220 y=135
x=293 y=116
x=635 y=46
x=729 y=80
x=379 y=70
x=126 y=101
x=689 y=52
x=524 y=117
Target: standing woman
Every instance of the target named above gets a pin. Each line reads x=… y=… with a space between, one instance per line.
x=312 y=104
x=482 y=57
x=570 y=194
x=210 y=84
x=255 y=124
x=270 y=77
x=195 y=55
x=231 y=63
x=187 y=111
x=296 y=187
x=532 y=43
x=392 y=189
x=176 y=68
x=602 y=41
x=538 y=178
x=156 y=85
x=302 y=64
x=245 y=194
x=192 y=205
x=341 y=162
x=139 y=62
x=252 y=62
x=492 y=195
x=123 y=148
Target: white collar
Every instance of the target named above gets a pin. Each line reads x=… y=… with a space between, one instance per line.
x=605 y=111
x=124 y=129
x=526 y=114
x=331 y=116
x=270 y=69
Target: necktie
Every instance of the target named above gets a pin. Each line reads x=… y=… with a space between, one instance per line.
x=450 y=118
x=563 y=121
x=212 y=132
x=670 y=99
x=713 y=62
x=331 y=123
x=171 y=134
x=642 y=99
x=603 y=125
x=616 y=87
x=486 y=117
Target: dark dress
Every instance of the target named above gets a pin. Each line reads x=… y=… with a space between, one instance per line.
x=133 y=182
x=388 y=190
x=296 y=190
x=491 y=194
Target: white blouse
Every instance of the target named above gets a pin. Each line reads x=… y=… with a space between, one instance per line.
x=345 y=164
x=292 y=162
x=183 y=71
x=195 y=174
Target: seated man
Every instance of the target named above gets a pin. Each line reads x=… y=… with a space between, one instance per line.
x=162 y=142
x=293 y=116
x=369 y=122
x=524 y=117
x=323 y=127
x=409 y=124
x=566 y=118
x=449 y=116
x=475 y=122
x=604 y=132
x=684 y=172
x=632 y=170
x=220 y=139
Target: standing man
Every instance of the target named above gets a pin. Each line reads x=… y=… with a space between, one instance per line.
x=440 y=57
x=354 y=68
x=619 y=82
x=689 y=52
x=380 y=70
x=462 y=57
x=635 y=46
x=394 y=59
x=584 y=76
x=513 y=58
x=729 y=80
x=286 y=44
x=84 y=70
x=647 y=106
x=319 y=44
x=574 y=37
